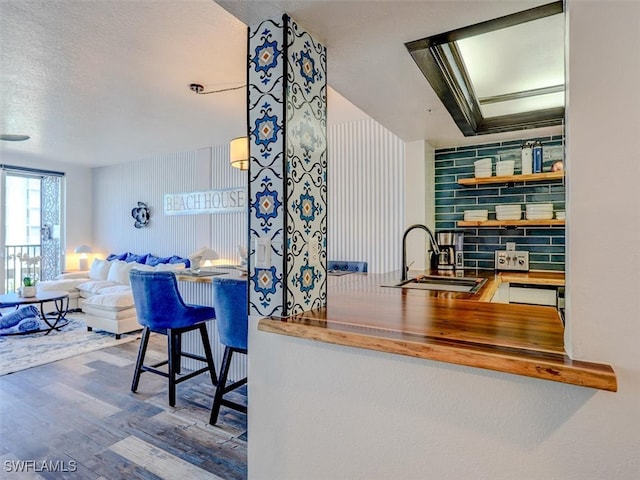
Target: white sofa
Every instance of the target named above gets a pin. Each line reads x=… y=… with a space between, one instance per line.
x=104 y=293
x=66 y=282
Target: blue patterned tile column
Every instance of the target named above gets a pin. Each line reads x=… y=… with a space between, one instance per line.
x=287 y=174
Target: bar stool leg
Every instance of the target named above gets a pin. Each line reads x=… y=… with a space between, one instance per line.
x=177 y=351
x=173 y=339
x=222 y=381
x=207 y=353
x=140 y=361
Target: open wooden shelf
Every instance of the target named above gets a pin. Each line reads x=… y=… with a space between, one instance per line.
x=510 y=223
x=530 y=177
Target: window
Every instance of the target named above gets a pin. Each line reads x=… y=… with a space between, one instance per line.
x=31 y=219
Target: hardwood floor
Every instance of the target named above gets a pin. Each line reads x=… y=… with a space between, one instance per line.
x=78 y=419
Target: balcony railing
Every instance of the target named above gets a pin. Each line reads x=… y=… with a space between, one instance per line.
x=21 y=261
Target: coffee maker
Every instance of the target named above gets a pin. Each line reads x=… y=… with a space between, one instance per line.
x=450 y=243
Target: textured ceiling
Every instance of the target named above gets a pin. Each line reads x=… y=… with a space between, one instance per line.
x=103 y=82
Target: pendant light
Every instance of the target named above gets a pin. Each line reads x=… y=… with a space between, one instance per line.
x=239 y=153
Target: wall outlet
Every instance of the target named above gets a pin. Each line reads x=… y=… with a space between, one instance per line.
x=263 y=252
x=314 y=252
x=512 y=260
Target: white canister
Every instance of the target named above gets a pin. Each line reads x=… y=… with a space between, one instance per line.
x=527 y=159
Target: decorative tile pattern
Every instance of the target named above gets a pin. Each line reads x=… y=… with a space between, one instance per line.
x=546 y=245
x=266 y=283
x=266 y=129
x=306 y=169
x=266 y=174
x=266 y=205
x=287 y=127
x=305 y=281
x=266 y=55
x=51 y=200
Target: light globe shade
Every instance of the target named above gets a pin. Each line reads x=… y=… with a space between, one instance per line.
x=83 y=260
x=239 y=153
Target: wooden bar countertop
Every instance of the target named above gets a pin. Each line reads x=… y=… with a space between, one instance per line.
x=453 y=327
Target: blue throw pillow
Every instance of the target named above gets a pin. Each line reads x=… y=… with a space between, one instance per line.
x=132 y=257
x=153 y=260
x=115 y=256
x=177 y=259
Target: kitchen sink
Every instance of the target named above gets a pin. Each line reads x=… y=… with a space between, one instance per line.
x=450 y=284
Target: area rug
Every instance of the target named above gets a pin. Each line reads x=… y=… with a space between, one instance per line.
x=19 y=352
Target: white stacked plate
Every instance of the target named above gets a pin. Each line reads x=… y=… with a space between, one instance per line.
x=509 y=212
x=505 y=168
x=483 y=168
x=540 y=211
x=483 y=173
x=476 y=215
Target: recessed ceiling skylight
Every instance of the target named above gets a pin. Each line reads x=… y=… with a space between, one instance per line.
x=501 y=75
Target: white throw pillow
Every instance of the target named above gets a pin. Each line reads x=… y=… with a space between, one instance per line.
x=169 y=267
x=93 y=286
x=99 y=269
x=73 y=275
x=143 y=268
x=64 y=285
x=119 y=272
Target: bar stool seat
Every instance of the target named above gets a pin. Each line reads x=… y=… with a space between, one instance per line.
x=160 y=309
x=230 y=303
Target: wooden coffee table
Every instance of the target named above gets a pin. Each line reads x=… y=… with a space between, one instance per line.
x=54 y=320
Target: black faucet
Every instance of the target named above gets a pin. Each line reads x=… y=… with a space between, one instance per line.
x=432 y=240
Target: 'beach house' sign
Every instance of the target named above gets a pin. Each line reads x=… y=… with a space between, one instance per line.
x=213 y=201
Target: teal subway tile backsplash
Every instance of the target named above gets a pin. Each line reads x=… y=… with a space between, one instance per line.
x=446 y=225
x=527 y=189
x=485 y=191
x=546 y=198
x=546 y=244
x=551 y=232
x=498 y=199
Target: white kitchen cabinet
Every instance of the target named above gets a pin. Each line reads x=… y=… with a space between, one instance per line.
x=527 y=294
x=533 y=295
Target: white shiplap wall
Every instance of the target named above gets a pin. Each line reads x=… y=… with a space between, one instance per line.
x=118 y=188
x=365 y=179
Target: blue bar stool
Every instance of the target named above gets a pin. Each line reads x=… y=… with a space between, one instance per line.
x=230 y=303
x=160 y=309
x=346 y=266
